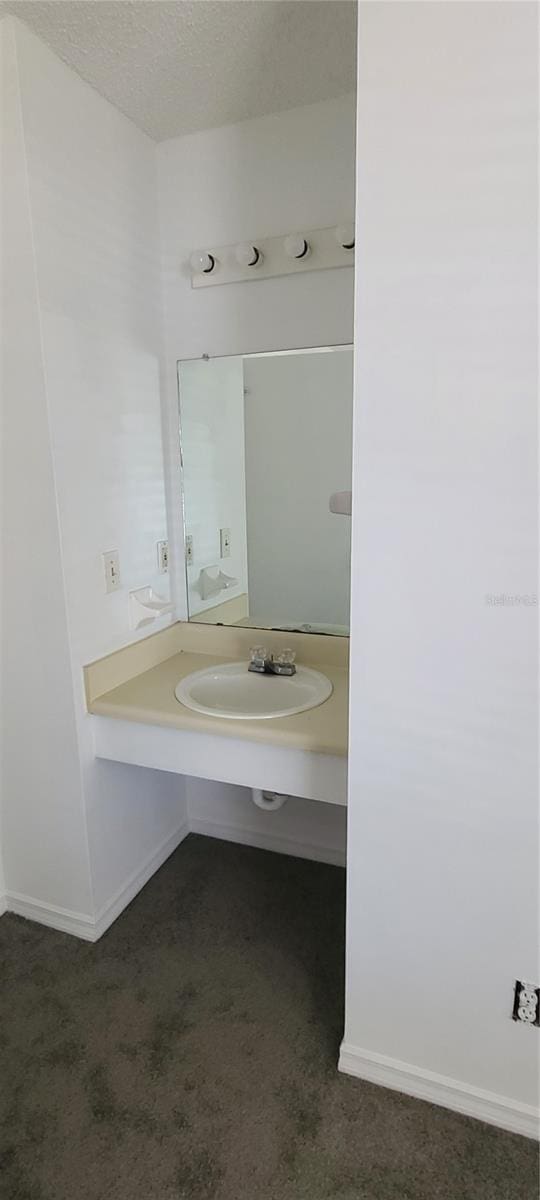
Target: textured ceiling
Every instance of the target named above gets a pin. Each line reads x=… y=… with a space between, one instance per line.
x=174 y=66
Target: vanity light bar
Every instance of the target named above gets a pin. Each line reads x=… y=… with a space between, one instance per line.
x=307 y=250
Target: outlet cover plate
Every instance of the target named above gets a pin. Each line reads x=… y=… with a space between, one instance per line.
x=111 y=569
x=526 y=1003
x=224 y=543
x=163 y=557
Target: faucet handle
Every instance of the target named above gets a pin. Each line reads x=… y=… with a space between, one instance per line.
x=258 y=652
x=283 y=663
x=258 y=658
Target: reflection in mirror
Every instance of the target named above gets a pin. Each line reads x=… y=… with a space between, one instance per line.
x=266 y=450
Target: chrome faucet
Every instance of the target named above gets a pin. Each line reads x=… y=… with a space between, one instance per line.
x=264 y=663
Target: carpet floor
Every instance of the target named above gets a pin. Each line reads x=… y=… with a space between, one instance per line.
x=191 y=1055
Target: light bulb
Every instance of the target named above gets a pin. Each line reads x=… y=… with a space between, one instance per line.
x=296 y=246
x=248 y=255
x=202 y=262
x=345 y=236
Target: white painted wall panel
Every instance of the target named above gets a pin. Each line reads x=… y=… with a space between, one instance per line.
x=303 y=828
x=43 y=827
x=91 y=201
x=92 y=187
x=443 y=807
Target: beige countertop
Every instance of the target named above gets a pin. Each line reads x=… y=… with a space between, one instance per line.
x=148 y=698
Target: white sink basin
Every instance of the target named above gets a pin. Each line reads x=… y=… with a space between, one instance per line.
x=231 y=691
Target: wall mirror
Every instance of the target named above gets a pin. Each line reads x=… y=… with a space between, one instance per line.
x=267 y=461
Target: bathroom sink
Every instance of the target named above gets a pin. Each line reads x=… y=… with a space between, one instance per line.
x=231 y=691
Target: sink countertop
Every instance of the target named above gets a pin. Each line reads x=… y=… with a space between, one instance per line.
x=149 y=699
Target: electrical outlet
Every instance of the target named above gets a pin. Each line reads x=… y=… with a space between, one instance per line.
x=225 y=543
x=526 y=1003
x=111 y=568
x=163 y=557
x=189 y=548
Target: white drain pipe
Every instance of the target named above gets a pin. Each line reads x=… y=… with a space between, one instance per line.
x=268 y=801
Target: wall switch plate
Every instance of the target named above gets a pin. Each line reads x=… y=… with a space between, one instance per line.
x=163 y=557
x=224 y=543
x=189 y=548
x=111 y=567
x=526 y=1003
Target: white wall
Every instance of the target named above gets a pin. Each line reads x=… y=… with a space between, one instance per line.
x=298 y=451
x=213 y=456
x=93 y=195
x=95 y=470
x=44 y=841
x=262 y=177
x=303 y=828
x=443 y=810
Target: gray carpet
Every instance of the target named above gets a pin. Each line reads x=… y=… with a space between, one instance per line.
x=190 y=1055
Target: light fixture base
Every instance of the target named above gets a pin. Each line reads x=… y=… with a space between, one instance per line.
x=325 y=253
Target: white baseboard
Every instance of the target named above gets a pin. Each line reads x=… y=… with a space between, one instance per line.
x=112 y=909
x=87 y=927
x=63 y=919
x=3 y=905
x=268 y=841
x=91 y=928
x=439 y=1089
